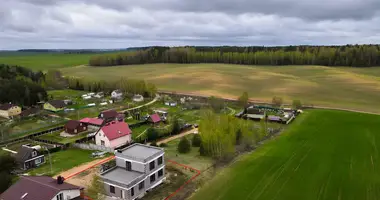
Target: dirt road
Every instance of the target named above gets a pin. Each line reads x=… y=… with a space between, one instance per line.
x=177 y=136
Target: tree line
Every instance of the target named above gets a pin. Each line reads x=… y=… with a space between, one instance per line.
x=21 y=86
x=348 y=55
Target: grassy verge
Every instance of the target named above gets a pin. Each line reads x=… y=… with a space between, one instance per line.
x=56 y=137
x=323 y=155
x=63 y=160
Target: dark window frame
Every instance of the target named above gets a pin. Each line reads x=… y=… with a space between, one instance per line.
x=128 y=165
x=141 y=185
x=160 y=161
x=160 y=171
x=152 y=165
x=132 y=192
x=112 y=189
x=154 y=178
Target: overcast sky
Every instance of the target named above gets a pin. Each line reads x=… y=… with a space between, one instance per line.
x=125 y=23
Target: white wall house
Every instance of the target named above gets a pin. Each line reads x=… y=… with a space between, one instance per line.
x=116 y=94
x=114 y=134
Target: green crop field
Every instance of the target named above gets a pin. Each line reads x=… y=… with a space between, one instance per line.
x=350 y=88
x=45 y=61
x=323 y=155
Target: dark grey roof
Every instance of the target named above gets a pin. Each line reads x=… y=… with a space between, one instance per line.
x=36 y=188
x=6 y=106
x=122 y=176
x=23 y=153
x=57 y=103
x=139 y=152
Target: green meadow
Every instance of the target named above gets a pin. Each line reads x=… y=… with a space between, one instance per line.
x=323 y=155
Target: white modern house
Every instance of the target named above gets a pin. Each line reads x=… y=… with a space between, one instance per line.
x=137 y=98
x=114 y=134
x=139 y=168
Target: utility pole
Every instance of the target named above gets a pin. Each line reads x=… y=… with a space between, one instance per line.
x=51 y=168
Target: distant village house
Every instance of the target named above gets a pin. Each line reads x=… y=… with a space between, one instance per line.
x=75 y=127
x=9 y=110
x=55 y=105
x=29 y=156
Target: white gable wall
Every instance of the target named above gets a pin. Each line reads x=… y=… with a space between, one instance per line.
x=68 y=193
x=113 y=143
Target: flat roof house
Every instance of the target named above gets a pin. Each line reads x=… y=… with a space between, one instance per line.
x=42 y=188
x=114 y=134
x=9 y=110
x=54 y=105
x=29 y=156
x=139 y=168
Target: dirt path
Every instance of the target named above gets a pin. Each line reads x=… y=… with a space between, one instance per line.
x=78 y=169
x=147 y=104
x=166 y=140
x=263 y=102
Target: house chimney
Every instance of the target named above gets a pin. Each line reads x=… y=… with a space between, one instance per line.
x=60 y=180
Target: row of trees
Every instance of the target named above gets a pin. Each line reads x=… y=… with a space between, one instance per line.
x=128 y=86
x=350 y=55
x=21 y=86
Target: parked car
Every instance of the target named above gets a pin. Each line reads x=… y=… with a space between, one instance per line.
x=186 y=126
x=98 y=154
x=195 y=125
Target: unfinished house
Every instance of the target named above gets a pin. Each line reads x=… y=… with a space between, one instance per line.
x=139 y=168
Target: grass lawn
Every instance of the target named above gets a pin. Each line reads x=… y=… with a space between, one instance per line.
x=63 y=160
x=192 y=158
x=326 y=86
x=16 y=146
x=55 y=137
x=323 y=155
x=139 y=130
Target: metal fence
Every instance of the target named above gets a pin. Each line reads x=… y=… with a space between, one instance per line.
x=92 y=147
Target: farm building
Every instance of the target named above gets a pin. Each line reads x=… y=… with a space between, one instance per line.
x=75 y=127
x=92 y=123
x=114 y=134
x=139 y=168
x=42 y=188
x=29 y=156
x=9 y=110
x=137 y=98
x=54 y=105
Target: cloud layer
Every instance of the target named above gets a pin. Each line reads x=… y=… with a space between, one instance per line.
x=125 y=23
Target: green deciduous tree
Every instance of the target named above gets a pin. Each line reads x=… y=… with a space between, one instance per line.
x=277 y=101
x=243 y=99
x=152 y=134
x=184 y=145
x=196 y=141
x=216 y=104
x=297 y=104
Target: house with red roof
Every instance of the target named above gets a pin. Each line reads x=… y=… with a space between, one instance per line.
x=114 y=134
x=42 y=188
x=92 y=123
x=154 y=118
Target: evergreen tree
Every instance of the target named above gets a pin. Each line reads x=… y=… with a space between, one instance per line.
x=184 y=145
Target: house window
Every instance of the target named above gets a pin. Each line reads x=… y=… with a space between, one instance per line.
x=128 y=166
x=102 y=143
x=160 y=173
x=34 y=153
x=60 y=196
x=159 y=161
x=112 y=189
x=152 y=178
x=151 y=165
x=132 y=192
x=38 y=161
x=141 y=185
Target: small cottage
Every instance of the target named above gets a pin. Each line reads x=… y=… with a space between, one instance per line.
x=117 y=94
x=75 y=127
x=108 y=115
x=154 y=118
x=54 y=105
x=9 y=110
x=137 y=98
x=29 y=156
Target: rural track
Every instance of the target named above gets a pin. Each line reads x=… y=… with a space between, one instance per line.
x=263 y=102
x=147 y=104
x=166 y=140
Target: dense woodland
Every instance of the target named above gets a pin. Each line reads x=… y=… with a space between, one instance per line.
x=21 y=86
x=349 y=55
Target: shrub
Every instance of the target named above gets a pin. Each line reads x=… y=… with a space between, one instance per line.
x=163 y=145
x=154 y=144
x=196 y=142
x=152 y=134
x=277 y=101
x=184 y=145
x=176 y=127
x=297 y=104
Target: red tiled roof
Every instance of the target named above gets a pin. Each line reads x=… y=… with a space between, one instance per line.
x=36 y=188
x=115 y=129
x=95 y=121
x=155 y=118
